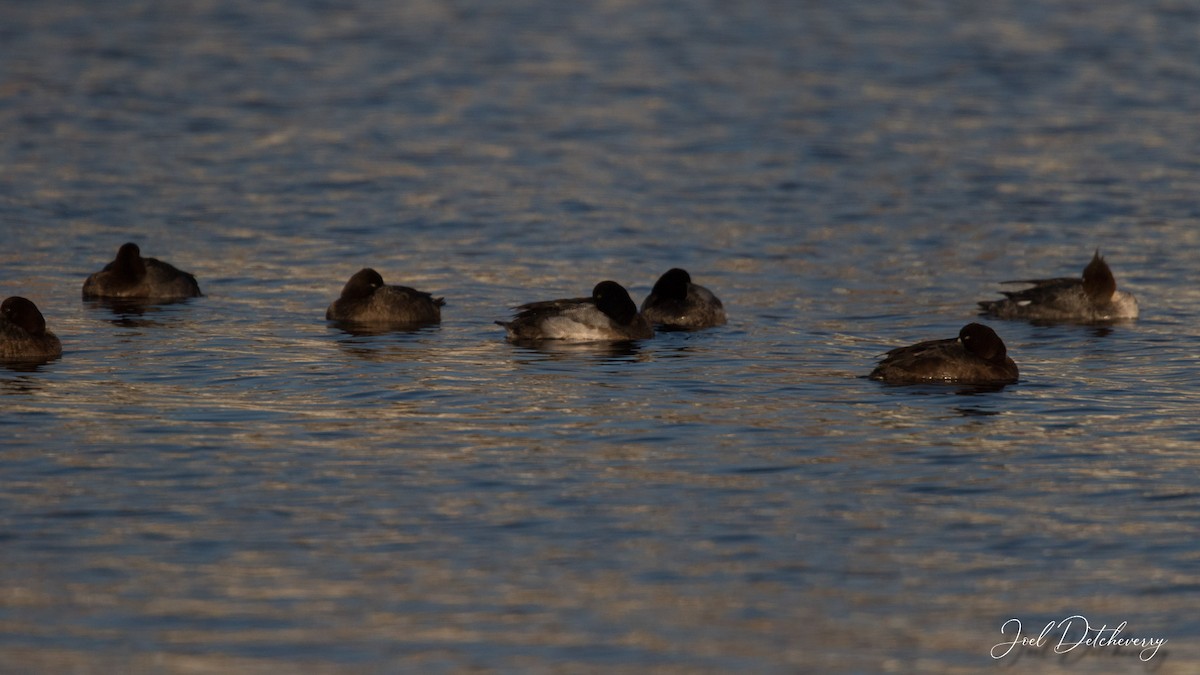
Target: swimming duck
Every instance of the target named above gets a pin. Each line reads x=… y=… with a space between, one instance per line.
x=1092 y=298
x=132 y=276
x=677 y=303
x=366 y=299
x=23 y=334
x=976 y=356
x=610 y=314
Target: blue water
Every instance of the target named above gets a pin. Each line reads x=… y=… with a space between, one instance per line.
x=232 y=485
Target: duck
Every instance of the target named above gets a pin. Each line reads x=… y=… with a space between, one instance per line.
x=976 y=356
x=1093 y=298
x=23 y=334
x=609 y=314
x=130 y=276
x=675 y=303
x=366 y=299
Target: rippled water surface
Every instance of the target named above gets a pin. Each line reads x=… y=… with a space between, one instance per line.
x=232 y=485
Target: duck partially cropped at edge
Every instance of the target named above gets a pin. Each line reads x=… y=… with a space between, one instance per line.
x=976 y=356
x=1092 y=298
x=675 y=303
x=609 y=314
x=23 y=334
x=366 y=299
x=130 y=276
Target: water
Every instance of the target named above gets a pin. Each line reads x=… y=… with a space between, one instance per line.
x=230 y=484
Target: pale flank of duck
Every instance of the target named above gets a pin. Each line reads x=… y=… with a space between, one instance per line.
x=1091 y=298
x=610 y=314
x=676 y=303
x=23 y=334
x=366 y=299
x=131 y=276
x=976 y=356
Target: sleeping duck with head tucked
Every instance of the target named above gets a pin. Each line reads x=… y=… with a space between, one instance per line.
x=676 y=303
x=365 y=299
x=1092 y=298
x=23 y=334
x=609 y=314
x=976 y=356
x=133 y=277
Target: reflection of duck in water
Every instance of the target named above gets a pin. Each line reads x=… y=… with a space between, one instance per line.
x=677 y=303
x=1092 y=298
x=976 y=356
x=366 y=299
x=23 y=334
x=130 y=276
x=610 y=314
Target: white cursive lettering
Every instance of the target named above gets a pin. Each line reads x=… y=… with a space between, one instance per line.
x=1073 y=632
x=1020 y=641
